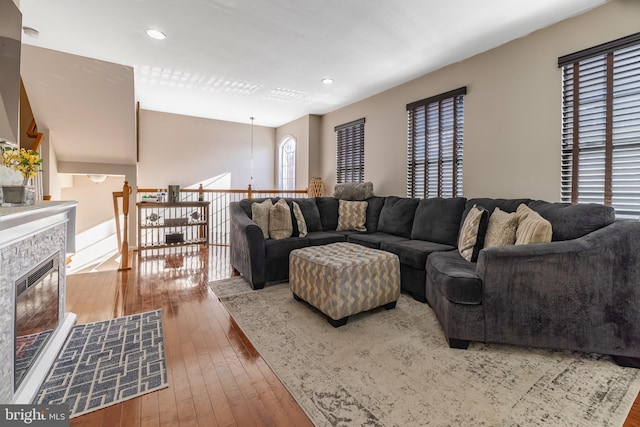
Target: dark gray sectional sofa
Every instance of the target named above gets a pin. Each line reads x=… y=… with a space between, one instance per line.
x=579 y=292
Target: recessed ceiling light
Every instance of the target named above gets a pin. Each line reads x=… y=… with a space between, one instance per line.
x=327 y=81
x=31 y=32
x=155 y=34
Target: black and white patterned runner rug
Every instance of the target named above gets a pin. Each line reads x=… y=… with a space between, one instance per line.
x=107 y=362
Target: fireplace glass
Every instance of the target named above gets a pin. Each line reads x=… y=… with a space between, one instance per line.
x=36 y=314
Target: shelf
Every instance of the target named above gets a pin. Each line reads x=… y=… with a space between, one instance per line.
x=188 y=224
x=174 y=245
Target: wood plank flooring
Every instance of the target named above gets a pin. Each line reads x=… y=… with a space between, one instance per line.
x=216 y=377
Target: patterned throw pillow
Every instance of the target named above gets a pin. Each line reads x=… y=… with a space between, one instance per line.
x=302 y=225
x=532 y=228
x=501 y=230
x=471 y=238
x=352 y=216
x=280 y=225
x=260 y=215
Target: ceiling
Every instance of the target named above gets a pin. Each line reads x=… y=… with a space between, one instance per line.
x=234 y=59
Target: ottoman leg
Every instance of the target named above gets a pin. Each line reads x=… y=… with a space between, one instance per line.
x=390 y=305
x=297 y=298
x=339 y=322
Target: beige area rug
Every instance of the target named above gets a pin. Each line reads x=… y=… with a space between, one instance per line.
x=394 y=368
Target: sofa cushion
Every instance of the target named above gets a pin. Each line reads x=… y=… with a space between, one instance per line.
x=501 y=229
x=280 y=225
x=353 y=191
x=396 y=216
x=438 y=220
x=506 y=205
x=572 y=221
x=280 y=248
x=311 y=214
x=260 y=215
x=328 y=208
x=373 y=240
x=472 y=233
x=301 y=229
x=351 y=216
x=374 y=206
x=532 y=228
x=454 y=277
x=414 y=252
x=325 y=237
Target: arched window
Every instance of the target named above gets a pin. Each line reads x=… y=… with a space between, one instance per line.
x=287 y=160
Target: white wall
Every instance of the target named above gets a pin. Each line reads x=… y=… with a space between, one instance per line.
x=95 y=202
x=185 y=150
x=512 y=111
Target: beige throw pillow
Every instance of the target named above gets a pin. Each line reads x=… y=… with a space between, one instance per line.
x=280 y=225
x=302 y=224
x=501 y=230
x=260 y=215
x=471 y=238
x=532 y=228
x=352 y=216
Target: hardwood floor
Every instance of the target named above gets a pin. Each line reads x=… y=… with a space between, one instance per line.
x=216 y=377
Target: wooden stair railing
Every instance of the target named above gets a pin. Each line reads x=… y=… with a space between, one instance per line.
x=32 y=132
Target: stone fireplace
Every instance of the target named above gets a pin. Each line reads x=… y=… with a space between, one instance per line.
x=34 y=242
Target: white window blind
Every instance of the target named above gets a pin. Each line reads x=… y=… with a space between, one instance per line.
x=435 y=145
x=601 y=126
x=350 y=152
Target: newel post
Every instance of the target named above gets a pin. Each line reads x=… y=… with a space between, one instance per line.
x=124 y=260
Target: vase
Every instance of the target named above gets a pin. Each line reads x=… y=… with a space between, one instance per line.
x=18 y=195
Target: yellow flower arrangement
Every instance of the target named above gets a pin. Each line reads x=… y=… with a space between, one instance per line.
x=27 y=162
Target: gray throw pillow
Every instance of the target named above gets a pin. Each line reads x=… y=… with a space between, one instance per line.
x=353 y=191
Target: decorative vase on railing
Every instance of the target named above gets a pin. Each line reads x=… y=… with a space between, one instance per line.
x=27 y=163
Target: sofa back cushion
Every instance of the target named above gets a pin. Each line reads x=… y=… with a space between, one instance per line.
x=396 y=216
x=438 y=220
x=374 y=207
x=328 y=208
x=310 y=212
x=572 y=221
x=505 y=205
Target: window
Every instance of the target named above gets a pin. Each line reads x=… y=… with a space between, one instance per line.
x=601 y=125
x=350 y=152
x=434 y=145
x=287 y=159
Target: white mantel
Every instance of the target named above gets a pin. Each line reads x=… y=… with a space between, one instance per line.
x=29 y=235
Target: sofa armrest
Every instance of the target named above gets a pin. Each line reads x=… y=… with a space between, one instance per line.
x=247 y=251
x=581 y=294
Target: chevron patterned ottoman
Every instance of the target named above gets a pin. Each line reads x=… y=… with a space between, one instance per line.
x=342 y=279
